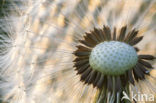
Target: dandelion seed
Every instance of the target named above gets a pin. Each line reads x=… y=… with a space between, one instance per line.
x=44 y=36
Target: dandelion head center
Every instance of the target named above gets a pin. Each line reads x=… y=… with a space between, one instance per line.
x=113 y=57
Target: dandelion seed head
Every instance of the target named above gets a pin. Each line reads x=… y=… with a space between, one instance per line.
x=37 y=61
x=113 y=57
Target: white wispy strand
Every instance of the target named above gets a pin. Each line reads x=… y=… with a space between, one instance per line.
x=36 y=54
x=13 y=80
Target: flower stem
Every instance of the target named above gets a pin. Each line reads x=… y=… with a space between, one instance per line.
x=106 y=96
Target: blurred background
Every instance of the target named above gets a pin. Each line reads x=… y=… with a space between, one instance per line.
x=37 y=38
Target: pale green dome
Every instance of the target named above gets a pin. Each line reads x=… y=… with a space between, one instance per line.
x=113 y=57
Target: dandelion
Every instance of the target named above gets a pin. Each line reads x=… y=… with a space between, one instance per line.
x=109 y=62
x=78 y=51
